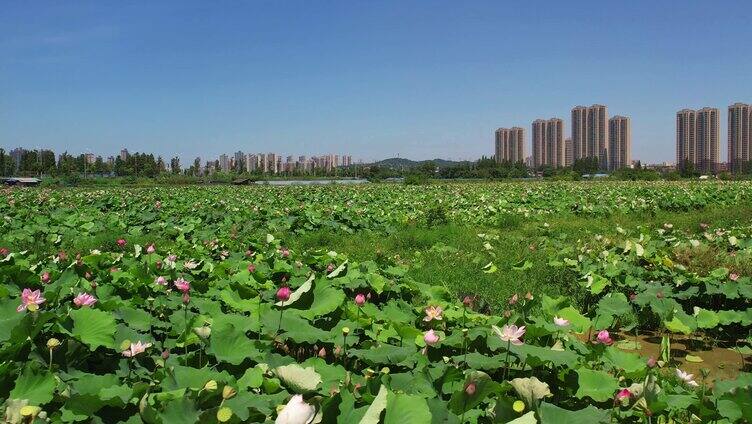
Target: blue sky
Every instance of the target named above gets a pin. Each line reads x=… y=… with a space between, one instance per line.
x=419 y=79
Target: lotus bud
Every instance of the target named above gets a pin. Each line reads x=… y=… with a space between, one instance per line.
x=251 y=268
x=651 y=362
x=283 y=294
x=322 y=353
x=228 y=392
x=470 y=388
x=186 y=298
x=45 y=278
x=360 y=299
x=165 y=354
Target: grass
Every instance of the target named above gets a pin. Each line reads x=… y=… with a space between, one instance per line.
x=453 y=255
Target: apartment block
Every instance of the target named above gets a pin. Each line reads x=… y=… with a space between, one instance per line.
x=590 y=133
x=739 y=135
x=509 y=144
x=620 y=143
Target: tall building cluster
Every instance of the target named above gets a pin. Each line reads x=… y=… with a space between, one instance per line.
x=272 y=163
x=592 y=135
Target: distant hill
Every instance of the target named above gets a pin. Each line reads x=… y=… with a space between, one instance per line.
x=401 y=163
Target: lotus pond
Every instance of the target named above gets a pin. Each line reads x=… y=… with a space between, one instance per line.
x=587 y=302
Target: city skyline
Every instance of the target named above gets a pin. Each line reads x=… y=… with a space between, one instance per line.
x=415 y=80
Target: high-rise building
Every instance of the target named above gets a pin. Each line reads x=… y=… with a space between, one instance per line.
x=89 y=158
x=539 y=143
x=16 y=154
x=568 y=152
x=239 y=162
x=739 y=136
x=124 y=154
x=509 y=145
x=620 y=143
x=224 y=162
x=548 y=143
x=555 y=142
x=579 y=132
x=686 y=138
x=697 y=139
x=708 y=139
x=590 y=133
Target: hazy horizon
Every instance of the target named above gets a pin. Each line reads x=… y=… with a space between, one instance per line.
x=418 y=80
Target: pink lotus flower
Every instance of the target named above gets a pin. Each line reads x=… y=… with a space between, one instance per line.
x=284 y=252
x=45 y=278
x=283 y=294
x=604 y=337
x=160 y=281
x=688 y=379
x=135 y=349
x=4 y=252
x=561 y=322
x=360 y=299
x=468 y=301
x=510 y=333
x=529 y=296
x=158 y=204
x=431 y=338
x=182 y=285
x=322 y=353
x=733 y=276
x=121 y=242
x=30 y=300
x=433 y=313
x=172 y=258
x=150 y=249
x=84 y=299
x=251 y=268
x=513 y=300
x=623 y=394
